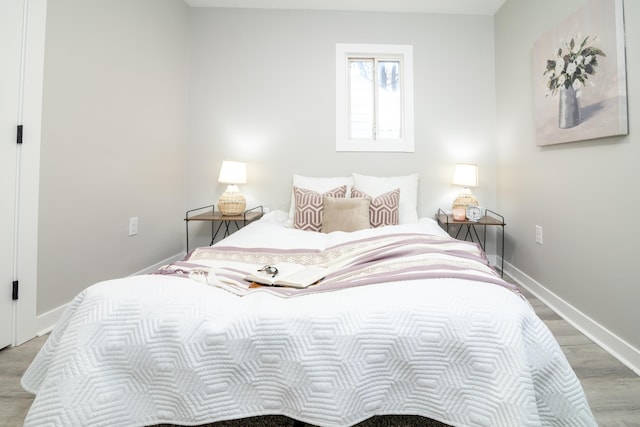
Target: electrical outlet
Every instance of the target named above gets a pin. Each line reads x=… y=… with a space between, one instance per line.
x=539 y=234
x=133 y=226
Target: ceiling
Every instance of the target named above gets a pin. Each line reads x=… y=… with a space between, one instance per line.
x=466 y=7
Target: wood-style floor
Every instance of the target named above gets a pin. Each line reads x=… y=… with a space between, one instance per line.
x=612 y=389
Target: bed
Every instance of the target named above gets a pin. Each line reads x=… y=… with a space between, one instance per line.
x=411 y=322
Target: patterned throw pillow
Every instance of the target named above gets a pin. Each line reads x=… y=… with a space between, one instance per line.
x=308 y=213
x=319 y=184
x=384 y=209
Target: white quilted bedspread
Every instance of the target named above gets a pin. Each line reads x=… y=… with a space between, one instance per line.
x=156 y=349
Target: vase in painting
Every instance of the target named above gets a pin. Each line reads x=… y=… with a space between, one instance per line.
x=569 y=110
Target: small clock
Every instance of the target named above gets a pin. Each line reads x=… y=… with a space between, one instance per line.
x=474 y=213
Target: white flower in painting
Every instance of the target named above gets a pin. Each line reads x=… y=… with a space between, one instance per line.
x=576 y=85
x=562 y=79
x=559 y=66
x=571 y=68
x=579 y=60
x=587 y=59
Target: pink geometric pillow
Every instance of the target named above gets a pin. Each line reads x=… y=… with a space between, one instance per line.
x=384 y=209
x=308 y=213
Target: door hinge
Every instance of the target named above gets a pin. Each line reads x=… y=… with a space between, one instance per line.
x=14 y=294
x=19 y=135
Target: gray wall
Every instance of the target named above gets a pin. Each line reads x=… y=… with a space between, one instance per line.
x=582 y=193
x=113 y=141
x=262 y=90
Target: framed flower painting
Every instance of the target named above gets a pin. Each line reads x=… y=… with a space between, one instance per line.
x=580 y=85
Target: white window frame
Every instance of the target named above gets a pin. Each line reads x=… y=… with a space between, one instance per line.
x=404 y=53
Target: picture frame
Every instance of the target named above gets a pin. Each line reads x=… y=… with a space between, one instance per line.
x=579 y=73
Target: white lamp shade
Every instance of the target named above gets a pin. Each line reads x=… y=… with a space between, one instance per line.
x=466 y=175
x=233 y=172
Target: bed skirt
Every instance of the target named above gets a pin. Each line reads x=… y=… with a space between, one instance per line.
x=282 y=421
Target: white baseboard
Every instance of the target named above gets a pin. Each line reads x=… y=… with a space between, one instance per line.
x=155 y=267
x=46 y=321
x=611 y=343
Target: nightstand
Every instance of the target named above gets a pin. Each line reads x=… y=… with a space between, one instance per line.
x=222 y=222
x=468 y=228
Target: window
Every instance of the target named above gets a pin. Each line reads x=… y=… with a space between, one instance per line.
x=374 y=98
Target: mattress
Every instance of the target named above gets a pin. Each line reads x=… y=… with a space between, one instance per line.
x=161 y=348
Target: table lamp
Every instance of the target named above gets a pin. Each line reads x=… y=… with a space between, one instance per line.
x=465 y=175
x=232 y=202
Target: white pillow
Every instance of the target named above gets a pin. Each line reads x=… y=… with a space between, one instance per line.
x=319 y=185
x=408 y=185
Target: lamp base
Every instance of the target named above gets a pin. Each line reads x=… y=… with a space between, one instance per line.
x=464 y=199
x=231 y=203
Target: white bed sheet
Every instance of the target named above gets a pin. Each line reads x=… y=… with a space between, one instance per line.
x=159 y=349
x=273 y=232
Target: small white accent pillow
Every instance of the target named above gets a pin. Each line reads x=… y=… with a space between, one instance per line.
x=319 y=185
x=408 y=185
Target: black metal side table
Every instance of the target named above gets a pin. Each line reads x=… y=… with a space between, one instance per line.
x=467 y=227
x=222 y=222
